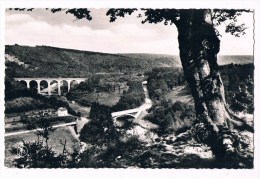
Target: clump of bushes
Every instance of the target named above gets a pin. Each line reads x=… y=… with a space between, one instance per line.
x=107 y=149
x=39 y=156
x=242 y=99
x=38 y=153
x=21 y=104
x=106 y=89
x=121 y=154
x=101 y=129
x=132 y=98
x=171 y=117
x=162 y=80
x=238 y=80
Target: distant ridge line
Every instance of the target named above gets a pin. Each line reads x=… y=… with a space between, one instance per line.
x=106 y=53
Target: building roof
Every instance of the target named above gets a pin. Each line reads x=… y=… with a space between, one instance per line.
x=62 y=109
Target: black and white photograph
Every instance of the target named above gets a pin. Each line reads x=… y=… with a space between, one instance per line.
x=129 y=88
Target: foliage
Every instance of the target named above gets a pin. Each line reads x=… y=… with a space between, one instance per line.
x=174 y=16
x=162 y=80
x=105 y=89
x=170 y=117
x=229 y=16
x=90 y=157
x=79 y=13
x=38 y=154
x=101 y=129
x=14 y=89
x=120 y=154
x=97 y=84
x=22 y=104
x=242 y=100
x=132 y=98
x=76 y=60
x=113 y=13
x=239 y=84
x=101 y=133
x=167 y=16
x=237 y=80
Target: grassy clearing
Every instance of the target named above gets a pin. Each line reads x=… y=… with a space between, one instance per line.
x=180 y=93
x=78 y=108
x=108 y=99
x=59 y=134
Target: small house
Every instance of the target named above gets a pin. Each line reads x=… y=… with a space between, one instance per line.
x=62 y=111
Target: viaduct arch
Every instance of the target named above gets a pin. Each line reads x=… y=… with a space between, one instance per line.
x=130 y=112
x=48 y=90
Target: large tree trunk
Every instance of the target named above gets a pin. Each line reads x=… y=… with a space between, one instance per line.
x=199 y=46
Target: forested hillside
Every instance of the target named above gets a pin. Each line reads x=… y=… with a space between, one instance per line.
x=44 y=61
x=173 y=108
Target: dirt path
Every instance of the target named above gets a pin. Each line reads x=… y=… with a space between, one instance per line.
x=180 y=93
x=34 y=130
x=143 y=112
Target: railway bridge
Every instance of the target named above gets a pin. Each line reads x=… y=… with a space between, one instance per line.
x=50 y=83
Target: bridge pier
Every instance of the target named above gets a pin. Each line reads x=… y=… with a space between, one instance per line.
x=27 y=84
x=38 y=86
x=49 y=88
x=59 y=91
x=68 y=81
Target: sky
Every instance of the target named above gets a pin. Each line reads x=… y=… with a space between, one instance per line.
x=126 y=35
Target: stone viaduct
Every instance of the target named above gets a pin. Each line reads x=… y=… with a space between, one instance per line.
x=50 y=82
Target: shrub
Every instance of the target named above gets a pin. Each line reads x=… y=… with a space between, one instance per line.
x=133 y=98
x=161 y=80
x=38 y=156
x=172 y=117
x=241 y=99
x=101 y=129
x=121 y=154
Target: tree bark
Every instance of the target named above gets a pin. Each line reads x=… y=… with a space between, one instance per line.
x=199 y=46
